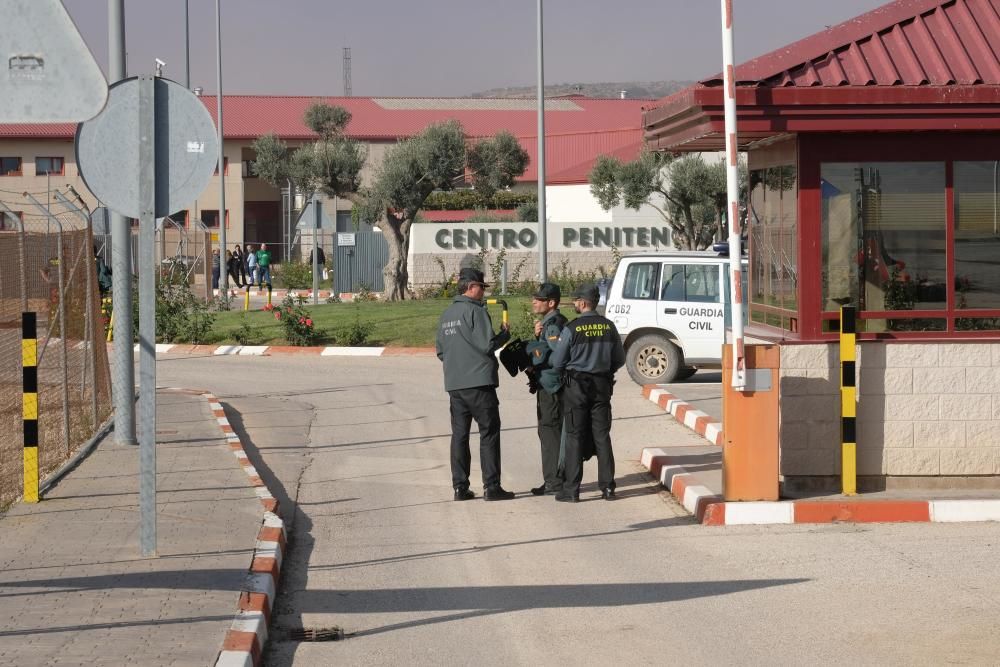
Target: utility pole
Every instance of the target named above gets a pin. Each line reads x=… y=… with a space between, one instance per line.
x=123 y=385
x=347 y=71
x=542 y=226
x=187 y=44
x=224 y=285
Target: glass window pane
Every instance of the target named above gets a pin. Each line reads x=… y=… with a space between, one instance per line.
x=977 y=235
x=884 y=236
x=756 y=216
x=640 y=282
x=673 y=283
x=702 y=283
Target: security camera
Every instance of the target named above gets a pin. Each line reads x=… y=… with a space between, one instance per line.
x=160 y=63
x=159 y=67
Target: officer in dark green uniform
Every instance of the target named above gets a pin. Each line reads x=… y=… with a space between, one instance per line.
x=465 y=345
x=589 y=352
x=545 y=305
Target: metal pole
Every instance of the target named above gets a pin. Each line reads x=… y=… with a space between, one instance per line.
x=123 y=380
x=732 y=188
x=147 y=316
x=224 y=276
x=542 y=222
x=187 y=44
x=288 y=222
x=318 y=211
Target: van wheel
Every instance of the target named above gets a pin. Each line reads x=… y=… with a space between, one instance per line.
x=653 y=359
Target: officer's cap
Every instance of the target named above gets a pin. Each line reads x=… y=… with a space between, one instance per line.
x=547 y=291
x=472 y=275
x=588 y=292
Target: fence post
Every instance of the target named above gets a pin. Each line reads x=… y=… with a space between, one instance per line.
x=29 y=403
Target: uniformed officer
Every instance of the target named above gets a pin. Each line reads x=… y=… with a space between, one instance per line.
x=545 y=305
x=589 y=352
x=465 y=345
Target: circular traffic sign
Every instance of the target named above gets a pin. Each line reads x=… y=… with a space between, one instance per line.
x=107 y=148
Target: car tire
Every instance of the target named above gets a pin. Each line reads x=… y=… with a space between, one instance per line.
x=653 y=359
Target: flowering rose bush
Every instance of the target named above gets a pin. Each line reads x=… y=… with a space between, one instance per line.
x=296 y=322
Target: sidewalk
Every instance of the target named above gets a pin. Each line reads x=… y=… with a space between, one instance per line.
x=76 y=590
x=693 y=475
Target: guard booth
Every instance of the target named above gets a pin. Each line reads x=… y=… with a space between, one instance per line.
x=873 y=150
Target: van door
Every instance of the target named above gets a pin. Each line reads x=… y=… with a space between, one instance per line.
x=636 y=305
x=690 y=305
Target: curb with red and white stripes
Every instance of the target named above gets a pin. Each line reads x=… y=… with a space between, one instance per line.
x=698 y=421
x=244 y=642
x=711 y=509
x=272 y=350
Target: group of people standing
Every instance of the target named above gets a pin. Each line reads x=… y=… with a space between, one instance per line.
x=244 y=268
x=573 y=368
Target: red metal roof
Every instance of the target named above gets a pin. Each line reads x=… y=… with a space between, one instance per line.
x=908 y=65
x=902 y=43
x=578 y=129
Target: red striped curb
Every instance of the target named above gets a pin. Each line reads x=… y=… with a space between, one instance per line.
x=700 y=422
x=711 y=509
x=244 y=642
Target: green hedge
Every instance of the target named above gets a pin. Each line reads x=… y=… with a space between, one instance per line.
x=460 y=200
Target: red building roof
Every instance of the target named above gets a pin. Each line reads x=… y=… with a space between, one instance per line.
x=939 y=59
x=578 y=129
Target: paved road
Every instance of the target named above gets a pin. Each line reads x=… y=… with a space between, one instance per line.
x=379 y=548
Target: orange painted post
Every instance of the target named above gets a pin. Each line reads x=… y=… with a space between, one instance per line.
x=750 y=426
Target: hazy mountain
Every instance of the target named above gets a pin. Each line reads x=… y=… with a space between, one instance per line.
x=633 y=89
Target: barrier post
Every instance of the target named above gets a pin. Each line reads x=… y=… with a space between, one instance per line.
x=848 y=401
x=269 y=294
x=246 y=299
x=29 y=403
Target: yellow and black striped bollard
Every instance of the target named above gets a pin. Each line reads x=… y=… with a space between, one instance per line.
x=848 y=401
x=29 y=389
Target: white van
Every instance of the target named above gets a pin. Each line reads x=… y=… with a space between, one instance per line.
x=671 y=310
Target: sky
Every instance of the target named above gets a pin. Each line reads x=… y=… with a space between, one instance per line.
x=446 y=47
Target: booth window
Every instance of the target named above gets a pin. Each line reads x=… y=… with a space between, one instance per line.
x=772 y=221
x=977 y=243
x=884 y=243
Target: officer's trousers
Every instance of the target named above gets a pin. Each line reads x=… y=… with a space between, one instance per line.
x=587 y=411
x=481 y=404
x=550 y=427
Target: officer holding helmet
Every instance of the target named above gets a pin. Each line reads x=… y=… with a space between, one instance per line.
x=589 y=352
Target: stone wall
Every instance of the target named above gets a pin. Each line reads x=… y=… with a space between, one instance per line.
x=925 y=409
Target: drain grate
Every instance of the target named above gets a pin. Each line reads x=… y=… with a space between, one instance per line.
x=316 y=634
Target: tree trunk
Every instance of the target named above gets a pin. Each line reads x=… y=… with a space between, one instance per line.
x=395 y=274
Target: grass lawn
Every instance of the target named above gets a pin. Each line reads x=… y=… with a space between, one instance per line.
x=397 y=324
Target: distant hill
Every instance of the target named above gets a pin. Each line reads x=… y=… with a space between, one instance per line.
x=633 y=89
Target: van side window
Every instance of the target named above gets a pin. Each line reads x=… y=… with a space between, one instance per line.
x=640 y=281
x=690 y=282
x=702 y=281
x=673 y=283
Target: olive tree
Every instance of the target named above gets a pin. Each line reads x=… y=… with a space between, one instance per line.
x=435 y=159
x=692 y=193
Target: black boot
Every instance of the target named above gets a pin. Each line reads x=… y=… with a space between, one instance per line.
x=497 y=493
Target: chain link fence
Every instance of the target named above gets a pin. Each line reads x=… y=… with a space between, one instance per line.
x=47 y=265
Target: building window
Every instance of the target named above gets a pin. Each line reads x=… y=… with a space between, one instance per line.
x=977 y=242
x=49 y=165
x=884 y=243
x=248 y=168
x=6 y=224
x=210 y=218
x=641 y=281
x=772 y=221
x=225 y=165
x=10 y=166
